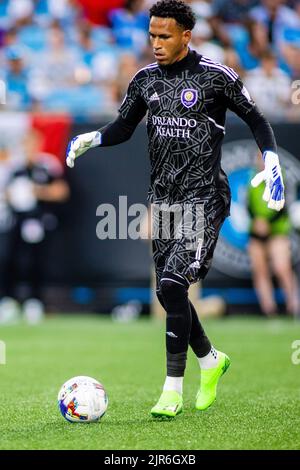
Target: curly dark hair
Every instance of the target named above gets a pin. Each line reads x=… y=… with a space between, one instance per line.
x=177 y=9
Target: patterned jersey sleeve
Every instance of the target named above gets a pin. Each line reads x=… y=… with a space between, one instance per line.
x=238 y=97
x=133 y=107
x=240 y=102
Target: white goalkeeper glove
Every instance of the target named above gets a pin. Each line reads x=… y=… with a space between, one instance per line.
x=274 y=192
x=80 y=144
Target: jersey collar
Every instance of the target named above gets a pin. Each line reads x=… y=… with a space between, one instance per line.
x=187 y=63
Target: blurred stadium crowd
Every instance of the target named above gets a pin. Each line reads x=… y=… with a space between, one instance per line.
x=79 y=55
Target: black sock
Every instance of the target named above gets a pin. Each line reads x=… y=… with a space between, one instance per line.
x=178 y=323
x=198 y=340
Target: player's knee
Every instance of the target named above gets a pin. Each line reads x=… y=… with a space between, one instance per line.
x=169 y=289
x=172 y=289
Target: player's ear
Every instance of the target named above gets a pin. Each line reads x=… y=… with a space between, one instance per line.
x=186 y=36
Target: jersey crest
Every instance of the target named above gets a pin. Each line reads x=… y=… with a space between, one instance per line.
x=189 y=97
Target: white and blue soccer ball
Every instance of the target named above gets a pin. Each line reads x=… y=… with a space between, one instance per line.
x=82 y=400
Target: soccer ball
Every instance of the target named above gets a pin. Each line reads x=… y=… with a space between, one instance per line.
x=82 y=400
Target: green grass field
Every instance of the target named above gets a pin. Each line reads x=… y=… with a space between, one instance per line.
x=258 y=405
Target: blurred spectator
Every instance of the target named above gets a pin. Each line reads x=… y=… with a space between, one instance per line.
x=20 y=12
x=231 y=59
x=270 y=87
x=97 y=12
x=105 y=69
x=269 y=250
x=8 y=307
x=16 y=79
x=277 y=18
x=128 y=66
x=59 y=60
x=202 y=8
x=10 y=37
x=130 y=26
x=74 y=78
x=6 y=169
x=255 y=45
x=63 y=10
x=228 y=19
x=291 y=56
x=33 y=190
x=233 y=11
x=202 y=42
x=30 y=33
x=105 y=65
x=54 y=68
x=86 y=45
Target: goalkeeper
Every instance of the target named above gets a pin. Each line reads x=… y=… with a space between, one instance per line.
x=185 y=97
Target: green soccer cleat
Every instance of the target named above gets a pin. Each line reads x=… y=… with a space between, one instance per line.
x=169 y=405
x=209 y=381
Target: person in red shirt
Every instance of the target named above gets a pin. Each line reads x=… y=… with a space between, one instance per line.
x=97 y=11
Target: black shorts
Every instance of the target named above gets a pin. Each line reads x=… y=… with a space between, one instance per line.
x=188 y=252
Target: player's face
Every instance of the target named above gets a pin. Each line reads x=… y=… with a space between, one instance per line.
x=168 y=39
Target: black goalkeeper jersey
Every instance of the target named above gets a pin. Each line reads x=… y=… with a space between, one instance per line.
x=186 y=106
